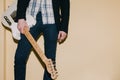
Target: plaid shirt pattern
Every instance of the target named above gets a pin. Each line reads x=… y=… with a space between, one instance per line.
x=45 y=6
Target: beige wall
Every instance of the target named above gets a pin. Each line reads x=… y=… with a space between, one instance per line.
x=91 y=52
x=1 y=46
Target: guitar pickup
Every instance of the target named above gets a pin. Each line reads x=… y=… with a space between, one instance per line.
x=7 y=20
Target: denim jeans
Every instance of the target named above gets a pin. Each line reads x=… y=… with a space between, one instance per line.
x=50 y=34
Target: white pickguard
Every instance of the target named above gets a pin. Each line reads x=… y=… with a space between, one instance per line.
x=8 y=20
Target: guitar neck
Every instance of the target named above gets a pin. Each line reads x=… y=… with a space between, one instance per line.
x=34 y=44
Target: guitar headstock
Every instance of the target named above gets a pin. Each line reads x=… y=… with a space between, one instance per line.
x=51 y=68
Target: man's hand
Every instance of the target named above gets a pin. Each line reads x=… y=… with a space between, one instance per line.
x=21 y=24
x=62 y=36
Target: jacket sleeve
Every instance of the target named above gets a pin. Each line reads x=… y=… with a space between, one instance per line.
x=65 y=12
x=21 y=9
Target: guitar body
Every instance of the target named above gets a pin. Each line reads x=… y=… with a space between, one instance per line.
x=8 y=20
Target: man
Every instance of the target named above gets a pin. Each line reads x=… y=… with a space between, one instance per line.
x=52 y=18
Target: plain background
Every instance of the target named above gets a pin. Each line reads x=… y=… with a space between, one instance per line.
x=91 y=51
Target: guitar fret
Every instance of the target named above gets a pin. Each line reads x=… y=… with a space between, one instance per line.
x=32 y=41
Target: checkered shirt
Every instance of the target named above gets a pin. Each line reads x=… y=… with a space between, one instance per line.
x=45 y=6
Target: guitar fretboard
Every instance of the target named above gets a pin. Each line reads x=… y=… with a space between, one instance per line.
x=34 y=44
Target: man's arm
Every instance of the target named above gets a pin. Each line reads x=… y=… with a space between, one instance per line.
x=21 y=9
x=65 y=12
x=21 y=14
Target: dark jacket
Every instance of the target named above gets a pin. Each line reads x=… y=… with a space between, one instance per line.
x=61 y=10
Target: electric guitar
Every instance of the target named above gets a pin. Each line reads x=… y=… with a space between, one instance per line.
x=8 y=20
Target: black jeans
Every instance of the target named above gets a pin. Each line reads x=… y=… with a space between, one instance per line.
x=50 y=34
